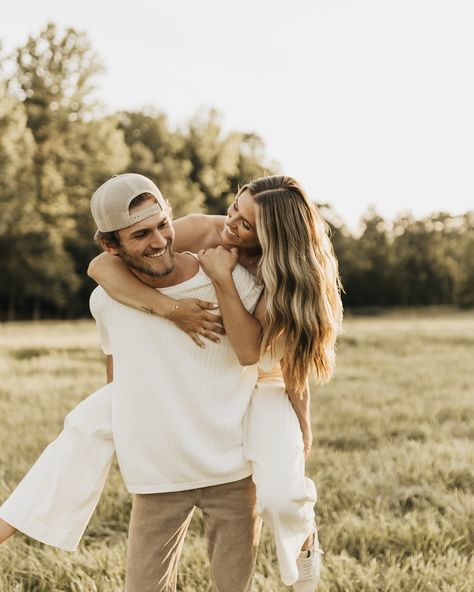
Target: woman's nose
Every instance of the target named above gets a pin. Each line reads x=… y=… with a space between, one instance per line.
x=231 y=217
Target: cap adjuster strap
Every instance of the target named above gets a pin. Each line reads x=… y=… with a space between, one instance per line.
x=146 y=213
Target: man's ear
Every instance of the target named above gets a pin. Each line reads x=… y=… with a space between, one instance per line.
x=108 y=248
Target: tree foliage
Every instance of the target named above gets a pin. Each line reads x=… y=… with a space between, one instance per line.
x=56 y=147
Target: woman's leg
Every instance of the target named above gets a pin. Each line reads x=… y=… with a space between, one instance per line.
x=56 y=498
x=285 y=497
x=6 y=531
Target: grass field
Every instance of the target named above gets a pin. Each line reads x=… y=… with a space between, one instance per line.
x=393 y=460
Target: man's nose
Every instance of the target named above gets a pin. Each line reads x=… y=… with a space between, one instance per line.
x=158 y=240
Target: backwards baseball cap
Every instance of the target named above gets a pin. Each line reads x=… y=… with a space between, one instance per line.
x=110 y=203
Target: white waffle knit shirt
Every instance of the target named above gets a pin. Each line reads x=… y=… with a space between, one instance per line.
x=178 y=409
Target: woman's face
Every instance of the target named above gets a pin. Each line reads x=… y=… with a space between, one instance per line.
x=240 y=230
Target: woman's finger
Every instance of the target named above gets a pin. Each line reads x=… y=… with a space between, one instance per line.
x=207 y=305
x=213 y=328
x=197 y=340
x=211 y=336
x=212 y=318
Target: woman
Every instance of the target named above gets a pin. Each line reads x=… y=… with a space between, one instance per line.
x=276 y=233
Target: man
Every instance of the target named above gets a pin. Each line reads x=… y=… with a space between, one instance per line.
x=177 y=409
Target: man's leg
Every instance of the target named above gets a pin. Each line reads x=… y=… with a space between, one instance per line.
x=158 y=526
x=232 y=530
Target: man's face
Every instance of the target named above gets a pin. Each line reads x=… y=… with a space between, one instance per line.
x=147 y=246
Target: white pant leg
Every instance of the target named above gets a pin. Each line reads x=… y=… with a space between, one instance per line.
x=56 y=498
x=285 y=497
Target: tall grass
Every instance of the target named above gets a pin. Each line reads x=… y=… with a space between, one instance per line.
x=393 y=460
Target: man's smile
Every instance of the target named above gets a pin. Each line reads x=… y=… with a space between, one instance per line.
x=157 y=254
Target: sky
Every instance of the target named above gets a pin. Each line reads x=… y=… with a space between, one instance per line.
x=368 y=103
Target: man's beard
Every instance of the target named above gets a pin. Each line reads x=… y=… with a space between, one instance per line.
x=137 y=264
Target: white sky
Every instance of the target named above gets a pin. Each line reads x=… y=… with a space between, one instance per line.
x=364 y=101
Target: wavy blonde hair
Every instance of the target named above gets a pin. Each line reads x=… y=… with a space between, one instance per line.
x=300 y=273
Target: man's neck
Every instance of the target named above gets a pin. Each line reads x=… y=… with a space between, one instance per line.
x=186 y=267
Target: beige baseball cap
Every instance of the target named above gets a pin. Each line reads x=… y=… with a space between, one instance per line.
x=111 y=202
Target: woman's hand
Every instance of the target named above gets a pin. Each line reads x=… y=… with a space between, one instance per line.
x=218 y=263
x=192 y=316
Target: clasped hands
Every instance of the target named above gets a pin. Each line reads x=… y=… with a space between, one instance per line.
x=193 y=315
x=218 y=263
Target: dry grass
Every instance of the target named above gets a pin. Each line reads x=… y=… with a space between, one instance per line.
x=392 y=460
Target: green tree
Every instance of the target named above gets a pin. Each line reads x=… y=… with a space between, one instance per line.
x=425 y=260
x=464 y=287
x=53 y=76
x=156 y=151
x=17 y=201
x=221 y=162
x=365 y=264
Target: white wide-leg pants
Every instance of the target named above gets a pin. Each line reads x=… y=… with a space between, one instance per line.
x=55 y=500
x=285 y=497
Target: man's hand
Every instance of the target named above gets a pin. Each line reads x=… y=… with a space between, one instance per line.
x=218 y=263
x=192 y=316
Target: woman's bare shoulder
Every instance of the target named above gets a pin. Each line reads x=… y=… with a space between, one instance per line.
x=198 y=231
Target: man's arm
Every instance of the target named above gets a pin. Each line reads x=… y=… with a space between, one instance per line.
x=109 y=366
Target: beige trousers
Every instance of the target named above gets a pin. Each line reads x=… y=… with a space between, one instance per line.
x=158 y=526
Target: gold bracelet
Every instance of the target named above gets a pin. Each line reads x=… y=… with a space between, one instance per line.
x=174 y=308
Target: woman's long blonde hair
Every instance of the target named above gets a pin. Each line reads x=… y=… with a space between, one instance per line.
x=300 y=273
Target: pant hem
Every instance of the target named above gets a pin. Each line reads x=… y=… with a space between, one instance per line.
x=41 y=532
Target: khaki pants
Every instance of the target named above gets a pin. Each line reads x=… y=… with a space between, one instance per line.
x=158 y=525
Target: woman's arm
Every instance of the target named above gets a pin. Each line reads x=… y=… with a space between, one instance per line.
x=190 y=315
x=120 y=283
x=243 y=329
x=301 y=405
x=197 y=231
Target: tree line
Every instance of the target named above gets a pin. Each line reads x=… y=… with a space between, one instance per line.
x=56 y=147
